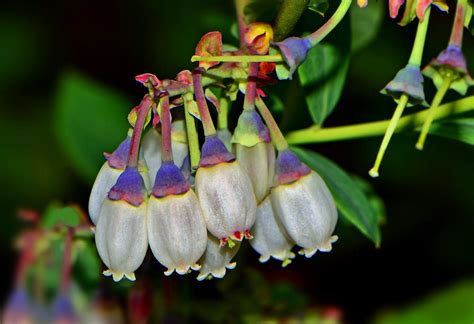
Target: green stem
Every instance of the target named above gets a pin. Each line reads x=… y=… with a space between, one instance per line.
x=335 y=19
x=374 y=172
x=288 y=15
x=206 y=119
x=340 y=133
x=222 y=117
x=191 y=132
x=419 y=43
x=277 y=137
x=458 y=25
x=238 y=58
x=432 y=110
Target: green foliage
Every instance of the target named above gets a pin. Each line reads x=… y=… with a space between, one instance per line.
x=453 y=305
x=57 y=215
x=366 y=23
x=461 y=129
x=350 y=199
x=324 y=72
x=89 y=119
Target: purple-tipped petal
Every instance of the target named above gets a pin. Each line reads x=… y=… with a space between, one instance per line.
x=288 y=168
x=409 y=81
x=169 y=181
x=250 y=130
x=130 y=187
x=214 y=152
x=118 y=159
x=294 y=51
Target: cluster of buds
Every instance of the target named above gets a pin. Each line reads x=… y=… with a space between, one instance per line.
x=193 y=212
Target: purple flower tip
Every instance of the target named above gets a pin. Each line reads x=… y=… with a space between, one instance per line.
x=129 y=187
x=250 y=128
x=214 y=152
x=294 y=51
x=63 y=310
x=452 y=57
x=18 y=303
x=118 y=159
x=409 y=81
x=289 y=168
x=169 y=181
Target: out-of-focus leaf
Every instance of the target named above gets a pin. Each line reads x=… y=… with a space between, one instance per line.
x=350 y=199
x=374 y=199
x=324 y=72
x=261 y=10
x=55 y=215
x=318 y=6
x=365 y=23
x=87 y=264
x=90 y=118
x=453 y=305
x=457 y=129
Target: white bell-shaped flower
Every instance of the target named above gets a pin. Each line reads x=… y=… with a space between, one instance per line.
x=225 y=193
x=121 y=235
x=269 y=236
x=225 y=136
x=304 y=205
x=258 y=161
x=217 y=259
x=108 y=175
x=176 y=229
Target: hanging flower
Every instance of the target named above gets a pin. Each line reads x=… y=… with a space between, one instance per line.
x=121 y=235
x=176 y=229
x=225 y=193
x=304 y=205
x=269 y=236
x=217 y=259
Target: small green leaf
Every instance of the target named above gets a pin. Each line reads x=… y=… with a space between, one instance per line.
x=457 y=129
x=87 y=264
x=350 y=199
x=90 y=118
x=324 y=71
x=56 y=215
x=452 y=305
x=366 y=23
x=318 y=6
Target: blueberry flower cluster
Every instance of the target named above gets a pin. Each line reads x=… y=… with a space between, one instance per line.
x=195 y=217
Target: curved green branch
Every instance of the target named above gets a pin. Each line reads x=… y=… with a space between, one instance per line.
x=318 y=135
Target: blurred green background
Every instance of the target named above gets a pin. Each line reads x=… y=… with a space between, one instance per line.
x=59 y=61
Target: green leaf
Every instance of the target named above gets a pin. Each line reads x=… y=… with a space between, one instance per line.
x=366 y=23
x=323 y=73
x=89 y=118
x=453 y=305
x=350 y=199
x=374 y=199
x=56 y=215
x=87 y=264
x=457 y=129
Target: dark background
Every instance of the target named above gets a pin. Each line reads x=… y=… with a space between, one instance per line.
x=427 y=239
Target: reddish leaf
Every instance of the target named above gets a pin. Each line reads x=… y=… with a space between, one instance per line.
x=209 y=45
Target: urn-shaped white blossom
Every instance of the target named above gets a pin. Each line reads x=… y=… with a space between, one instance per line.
x=225 y=193
x=269 y=236
x=255 y=152
x=226 y=137
x=108 y=175
x=151 y=148
x=217 y=259
x=304 y=205
x=121 y=235
x=176 y=229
